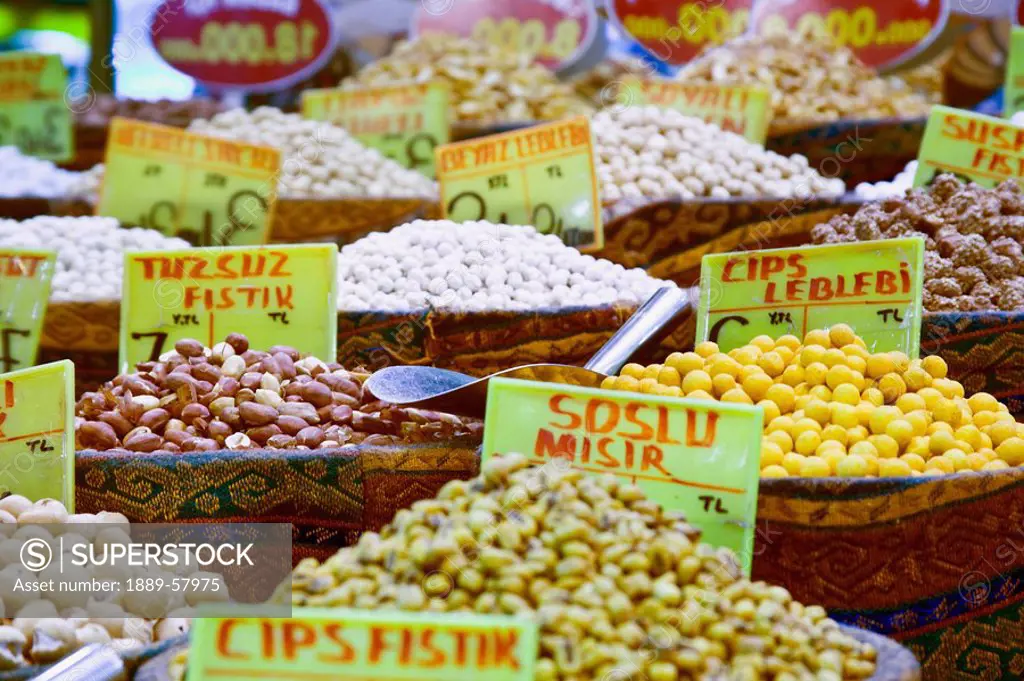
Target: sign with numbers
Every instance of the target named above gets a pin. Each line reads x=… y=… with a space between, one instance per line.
x=33 y=115
x=874 y=286
x=275 y=295
x=403 y=122
x=37 y=433
x=676 y=32
x=25 y=278
x=207 y=190
x=972 y=146
x=696 y=456
x=542 y=176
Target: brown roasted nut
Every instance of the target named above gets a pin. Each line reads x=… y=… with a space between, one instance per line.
x=155 y=419
x=256 y=414
x=310 y=436
x=189 y=347
x=142 y=441
x=238 y=342
x=96 y=435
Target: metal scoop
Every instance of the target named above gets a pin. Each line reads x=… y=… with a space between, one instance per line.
x=455 y=393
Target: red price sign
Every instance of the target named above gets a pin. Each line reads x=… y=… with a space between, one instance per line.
x=554 y=32
x=881 y=34
x=675 y=32
x=250 y=45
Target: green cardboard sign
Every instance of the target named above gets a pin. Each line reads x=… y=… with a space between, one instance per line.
x=25 y=278
x=745 y=111
x=33 y=115
x=874 y=286
x=275 y=295
x=37 y=433
x=696 y=456
x=387 y=645
x=207 y=190
x=403 y=122
x=542 y=176
x=1013 y=93
x=973 y=146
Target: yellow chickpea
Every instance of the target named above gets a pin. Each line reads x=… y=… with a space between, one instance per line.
x=919 y=420
x=815 y=373
x=886 y=446
x=788 y=341
x=874 y=396
x=793 y=375
x=818 y=337
x=818 y=410
x=935 y=365
x=706 y=348
x=649 y=385
x=880 y=364
x=771 y=410
x=854 y=350
x=700 y=395
x=633 y=370
x=900 y=359
x=957 y=457
x=807 y=442
x=892 y=387
x=947 y=388
x=914 y=460
x=859 y=365
x=815 y=467
x=976 y=461
x=834 y=433
x=652 y=371
x=1000 y=431
x=864 y=448
x=782 y=395
x=812 y=354
x=940 y=441
x=941 y=464
x=844 y=415
x=853 y=466
x=880 y=418
x=785 y=353
x=856 y=434
x=774 y=472
x=982 y=402
x=697 y=380
x=901 y=431
x=834 y=357
x=909 y=402
x=793 y=462
x=893 y=468
x=970 y=434
x=725 y=366
x=772 y=363
x=722 y=383
x=947 y=412
x=757 y=385
x=669 y=376
x=764 y=342
x=736 y=396
x=771 y=453
x=846 y=393
x=917 y=378
x=685 y=362
x=918 y=445
x=864 y=412
x=783 y=439
x=996 y=465
x=1011 y=450
x=783 y=423
x=833 y=457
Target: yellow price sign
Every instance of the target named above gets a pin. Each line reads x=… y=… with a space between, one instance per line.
x=542 y=176
x=33 y=115
x=972 y=146
x=1013 y=92
x=276 y=295
x=874 y=286
x=37 y=433
x=386 y=645
x=25 y=278
x=207 y=190
x=403 y=122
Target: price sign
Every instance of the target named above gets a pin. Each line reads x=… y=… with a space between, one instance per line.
x=37 y=433
x=25 y=278
x=555 y=33
x=972 y=146
x=207 y=190
x=880 y=34
x=874 y=286
x=542 y=176
x=33 y=116
x=696 y=456
x=1013 y=94
x=404 y=122
x=249 y=46
x=743 y=110
x=676 y=32
x=275 y=295
x=359 y=644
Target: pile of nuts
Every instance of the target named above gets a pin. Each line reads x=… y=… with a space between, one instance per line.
x=898 y=186
x=974 y=238
x=661 y=153
x=28 y=176
x=809 y=79
x=164 y=111
x=489 y=83
x=832 y=408
x=33 y=629
x=620 y=587
x=479 y=266
x=197 y=399
x=90 y=251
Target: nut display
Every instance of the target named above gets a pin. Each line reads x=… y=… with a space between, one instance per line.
x=489 y=83
x=28 y=176
x=660 y=153
x=831 y=408
x=479 y=266
x=973 y=236
x=197 y=399
x=100 y=110
x=620 y=587
x=90 y=251
x=898 y=186
x=809 y=79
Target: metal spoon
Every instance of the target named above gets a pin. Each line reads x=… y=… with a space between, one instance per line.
x=455 y=393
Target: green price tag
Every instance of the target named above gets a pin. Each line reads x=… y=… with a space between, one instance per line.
x=33 y=115
x=357 y=644
x=1013 y=94
x=37 y=433
x=972 y=146
x=696 y=456
x=874 y=286
x=745 y=111
x=210 y=191
x=542 y=176
x=275 y=295
x=403 y=122
x=25 y=278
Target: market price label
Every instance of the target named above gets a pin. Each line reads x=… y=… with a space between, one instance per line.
x=1013 y=94
x=206 y=190
x=25 y=278
x=542 y=176
x=244 y=45
x=696 y=456
x=874 y=286
x=37 y=433
x=675 y=32
x=882 y=34
x=275 y=295
x=340 y=643
x=972 y=146
x=745 y=111
x=405 y=122
x=33 y=115
x=555 y=33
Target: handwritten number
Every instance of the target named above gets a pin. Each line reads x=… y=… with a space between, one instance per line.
x=5 y=344
x=159 y=338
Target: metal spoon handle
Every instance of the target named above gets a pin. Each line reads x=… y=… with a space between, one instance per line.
x=648 y=324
